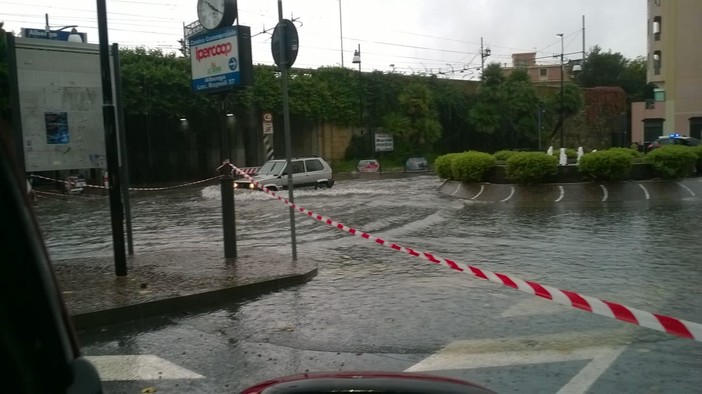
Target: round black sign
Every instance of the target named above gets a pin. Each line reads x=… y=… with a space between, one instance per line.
x=285 y=32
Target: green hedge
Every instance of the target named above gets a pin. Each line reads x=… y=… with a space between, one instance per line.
x=531 y=167
x=443 y=165
x=609 y=165
x=504 y=154
x=673 y=161
x=631 y=152
x=471 y=166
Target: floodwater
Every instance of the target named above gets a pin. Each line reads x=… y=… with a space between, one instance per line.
x=368 y=298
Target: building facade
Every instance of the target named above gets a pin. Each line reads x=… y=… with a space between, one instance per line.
x=540 y=73
x=675 y=68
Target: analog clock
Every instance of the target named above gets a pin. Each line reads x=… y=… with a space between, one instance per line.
x=214 y=14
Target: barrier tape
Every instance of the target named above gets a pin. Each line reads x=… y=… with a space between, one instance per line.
x=141 y=188
x=670 y=325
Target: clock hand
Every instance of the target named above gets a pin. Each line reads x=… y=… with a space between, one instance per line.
x=213 y=7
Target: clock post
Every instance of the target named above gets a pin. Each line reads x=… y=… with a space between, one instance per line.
x=221 y=61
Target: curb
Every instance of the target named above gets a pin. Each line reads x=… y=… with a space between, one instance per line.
x=125 y=314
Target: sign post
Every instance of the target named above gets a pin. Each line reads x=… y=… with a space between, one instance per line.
x=220 y=61
x=383 y=143
x=284 y=46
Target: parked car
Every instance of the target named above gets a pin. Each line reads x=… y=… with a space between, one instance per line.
x=416 y=164
x=673 y=139
x=306 y=172
x=370 y=165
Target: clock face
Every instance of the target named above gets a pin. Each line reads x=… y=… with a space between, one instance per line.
x=211 y=13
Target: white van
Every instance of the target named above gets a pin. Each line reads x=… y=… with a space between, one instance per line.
x=306 y=172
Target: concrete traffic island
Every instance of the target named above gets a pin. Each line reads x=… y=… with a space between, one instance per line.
x=169 y=281
x=652 y=190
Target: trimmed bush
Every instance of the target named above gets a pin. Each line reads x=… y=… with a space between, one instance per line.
x=443 y=165
x=672 y=161
x=471 y=166
x=609 y=165
x=504 y=154
x=632 y=152
x=698 y=150
x=531 y=167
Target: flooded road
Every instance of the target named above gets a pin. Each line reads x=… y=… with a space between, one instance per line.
x=374 y=308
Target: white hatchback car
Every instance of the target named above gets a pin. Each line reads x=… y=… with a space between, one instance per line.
x=306 y=172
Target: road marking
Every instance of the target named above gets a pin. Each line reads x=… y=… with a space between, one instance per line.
x=457 y=189
x=139 y=367
x=648 y=196
x=510 y=194
x=529 y=350
x=605 y=193
x=482 y=187
x=562 y=194
x=686 y=188
x=581 y=382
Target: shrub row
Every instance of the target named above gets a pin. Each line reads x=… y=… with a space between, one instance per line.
x=613 y=164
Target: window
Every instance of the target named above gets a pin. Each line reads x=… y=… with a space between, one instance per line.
x=657 y=62
x=650 y=104
x=298 y=167
x=657 y=28
x=543 y=72
x=696 y=127
x=314 y=165
x=653 y=128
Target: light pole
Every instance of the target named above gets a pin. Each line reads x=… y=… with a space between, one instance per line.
x=341 y=36
x=561 y=114
x=357 y=59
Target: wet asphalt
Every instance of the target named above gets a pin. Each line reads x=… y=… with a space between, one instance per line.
x=371 y=308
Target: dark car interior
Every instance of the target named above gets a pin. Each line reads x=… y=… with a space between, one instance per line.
x=39 y=352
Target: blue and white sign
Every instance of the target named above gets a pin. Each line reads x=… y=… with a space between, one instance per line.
x=59 y=35
x=214 y=60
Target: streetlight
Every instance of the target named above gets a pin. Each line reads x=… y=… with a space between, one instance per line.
x=561 y=115
x=357 y=59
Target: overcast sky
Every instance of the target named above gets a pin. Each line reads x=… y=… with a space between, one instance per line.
x=437 y=36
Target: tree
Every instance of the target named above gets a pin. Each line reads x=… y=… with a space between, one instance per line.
x=506 y=108
x=416 y=126
x=613 y=69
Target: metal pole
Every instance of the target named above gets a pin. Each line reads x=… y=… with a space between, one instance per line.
x=108 y=116
x=227 y=186
x=286 y=125
x=123 y=157
x=562 y=118
x=341 y=35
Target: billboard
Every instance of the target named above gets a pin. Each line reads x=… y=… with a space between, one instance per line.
x=221 y=59
x=59 y=97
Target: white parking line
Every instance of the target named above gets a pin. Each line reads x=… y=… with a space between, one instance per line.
x=457 y=188
x=482 y=187
x=648 y=196
x=605 y=193
x=139 y=367
x=686 y=188
x=511 y=193
x=562 y=194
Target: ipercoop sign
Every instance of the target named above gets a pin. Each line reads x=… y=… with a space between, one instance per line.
x=215 y=60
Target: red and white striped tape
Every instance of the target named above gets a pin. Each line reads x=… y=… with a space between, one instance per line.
x=138 y=188
x=670 y=325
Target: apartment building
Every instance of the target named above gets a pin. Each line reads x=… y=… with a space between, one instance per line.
x=539 y=72
x=675 y=67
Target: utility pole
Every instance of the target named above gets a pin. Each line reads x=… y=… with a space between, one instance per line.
x=484 y=52
x=561 y=115
x=341 y=36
